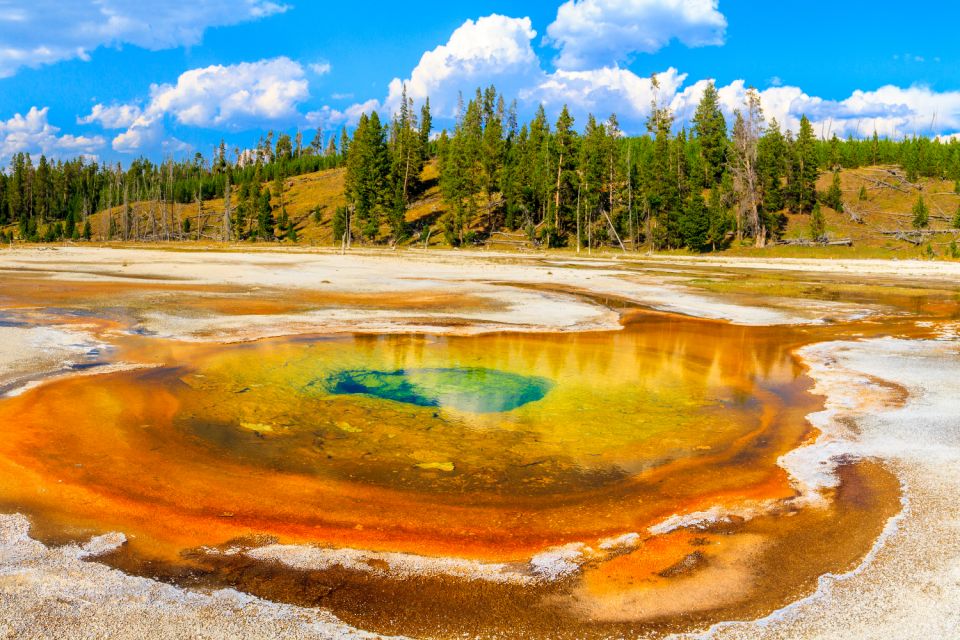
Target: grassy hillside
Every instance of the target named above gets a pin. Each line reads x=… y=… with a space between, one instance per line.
x=886 y=208
x=302 y=195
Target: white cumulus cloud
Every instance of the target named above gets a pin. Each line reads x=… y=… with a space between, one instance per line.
x=145 y=133
x=493 y=49
x=43 y=32
x=498 y=50
x=34 y=134
x=891 y=111
x=600 y=33
x=605 y=91
x=230 y=97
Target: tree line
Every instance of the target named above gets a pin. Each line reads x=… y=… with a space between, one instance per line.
x=54 y=200
x=700 y=186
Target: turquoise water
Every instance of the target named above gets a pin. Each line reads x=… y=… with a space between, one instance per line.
x=470 y=389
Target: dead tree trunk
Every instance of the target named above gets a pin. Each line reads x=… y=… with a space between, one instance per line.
x=226 y=211
x=578 y=218
x=126 y=212
x=614 y=230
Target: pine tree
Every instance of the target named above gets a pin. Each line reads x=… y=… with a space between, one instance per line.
x=834 y=157
x=493 y=146
x=911 y=160
x=367 y=174
x=802 y=185
x=921 y=214
x=956 y=218
x=407 y=160
x=463 y=176
x=70 y=225
x=537 y=159
x=265 y=221
x=834 y=196
x=663 y=198
x=426 y=125
x=695 y=224
x=316 y=144
x=592 y=167
x=720 y=221
x=771 y=165
x=711 y=129
x=284 y=149
x=278 y=185
x=564 y=160
x=511 y=178
x=339 y=225
x=694 y=164
x=344 y=144
x=406 y=165
x=818 y=225
x=614 y=171
x=679 y=165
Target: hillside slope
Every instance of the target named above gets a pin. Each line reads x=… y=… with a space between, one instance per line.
x=870 y=223
x=302 y=196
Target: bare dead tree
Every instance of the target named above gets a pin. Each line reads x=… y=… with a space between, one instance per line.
x=746 y=136
x=126 y=211
x=226 y=208
x=614 y=230
x=108 y=212
x=578 y=216
x=633 y=237
x=173 y=206
x=201 y=215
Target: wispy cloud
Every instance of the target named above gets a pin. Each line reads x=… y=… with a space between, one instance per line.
x=43 y=32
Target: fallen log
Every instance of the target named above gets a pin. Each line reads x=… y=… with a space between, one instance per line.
x=802 y=242
x=523 y=243
x=914 y=240
x=918 y=236
x=920 y=232
x=855 y=216
x=881 y=183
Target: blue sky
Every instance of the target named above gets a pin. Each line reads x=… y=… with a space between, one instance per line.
x=116 y=79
